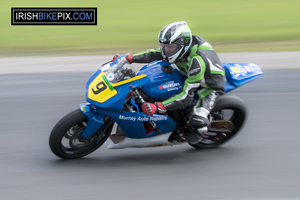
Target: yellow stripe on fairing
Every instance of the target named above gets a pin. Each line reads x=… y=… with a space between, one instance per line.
x=129 y=80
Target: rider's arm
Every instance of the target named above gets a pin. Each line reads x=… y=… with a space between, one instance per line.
x=145 y=56
x=195 y=74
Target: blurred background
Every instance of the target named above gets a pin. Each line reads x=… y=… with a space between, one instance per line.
x=133 y=26
x=44 y=69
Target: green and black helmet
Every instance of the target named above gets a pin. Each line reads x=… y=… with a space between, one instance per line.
x=175 y=40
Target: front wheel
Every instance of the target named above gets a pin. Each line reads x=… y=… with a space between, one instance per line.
x=229 y=115
x=66 y=141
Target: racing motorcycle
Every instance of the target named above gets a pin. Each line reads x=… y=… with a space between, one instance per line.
x=112 y=115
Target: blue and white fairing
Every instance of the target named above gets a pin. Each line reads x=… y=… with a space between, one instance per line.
x=163 y=85
x=238 y=74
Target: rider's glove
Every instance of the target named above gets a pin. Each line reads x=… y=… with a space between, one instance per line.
x=128 y=58
x=152 y=108
x=115 y=57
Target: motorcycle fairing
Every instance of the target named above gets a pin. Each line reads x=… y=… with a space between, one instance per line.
x=116 y=93
x=238 y=74
x=160 y=140
x=165 y=80
x=100 y=90
x=130 y=122
x=95 y=119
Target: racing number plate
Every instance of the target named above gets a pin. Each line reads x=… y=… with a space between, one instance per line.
x=100 y=90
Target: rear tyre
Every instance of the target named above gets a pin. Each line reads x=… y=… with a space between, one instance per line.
x=229 y=115
x=66 y=141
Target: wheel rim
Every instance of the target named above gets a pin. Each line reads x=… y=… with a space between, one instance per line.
x=224 y=119
x=73 y=143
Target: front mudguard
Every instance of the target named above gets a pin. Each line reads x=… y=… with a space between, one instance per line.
x=95 y=119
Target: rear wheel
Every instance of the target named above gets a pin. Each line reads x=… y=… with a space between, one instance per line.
x=66 y=141
x=228 y=115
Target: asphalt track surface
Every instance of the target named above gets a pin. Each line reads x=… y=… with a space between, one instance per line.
x=262 y=162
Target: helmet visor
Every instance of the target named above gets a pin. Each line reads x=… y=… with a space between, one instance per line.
x=169 y=49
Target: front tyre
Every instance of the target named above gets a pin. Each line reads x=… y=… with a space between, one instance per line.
x=66 y=141
x=229 y=115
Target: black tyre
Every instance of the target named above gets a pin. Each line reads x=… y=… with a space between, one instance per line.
x=66 y=141
x=229 y=115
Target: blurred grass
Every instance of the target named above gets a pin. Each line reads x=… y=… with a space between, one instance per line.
x=132 y=26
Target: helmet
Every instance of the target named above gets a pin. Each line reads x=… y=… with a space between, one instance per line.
x=175 y=40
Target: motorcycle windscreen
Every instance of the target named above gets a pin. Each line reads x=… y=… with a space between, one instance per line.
x=238 y=74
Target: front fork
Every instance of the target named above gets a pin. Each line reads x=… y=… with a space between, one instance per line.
x=95 y=119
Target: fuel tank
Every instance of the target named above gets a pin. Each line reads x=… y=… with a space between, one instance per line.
x=166 y=80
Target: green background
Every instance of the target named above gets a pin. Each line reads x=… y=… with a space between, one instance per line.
x=133 y=26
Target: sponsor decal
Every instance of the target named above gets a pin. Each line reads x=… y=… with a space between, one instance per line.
x=244 y=70
x=247 y=68
x=105 y=68
x=53 y=16
x=239 y=70
x=255 y=68
x=235 y=69
x=110 y=77
x=143 y=119
x=170 y=86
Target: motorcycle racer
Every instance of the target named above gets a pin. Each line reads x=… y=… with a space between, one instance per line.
x=196 y=59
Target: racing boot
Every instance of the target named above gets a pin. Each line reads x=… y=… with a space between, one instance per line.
x=199 y=124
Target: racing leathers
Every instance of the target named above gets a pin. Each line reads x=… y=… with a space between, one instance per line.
x=204 y=76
